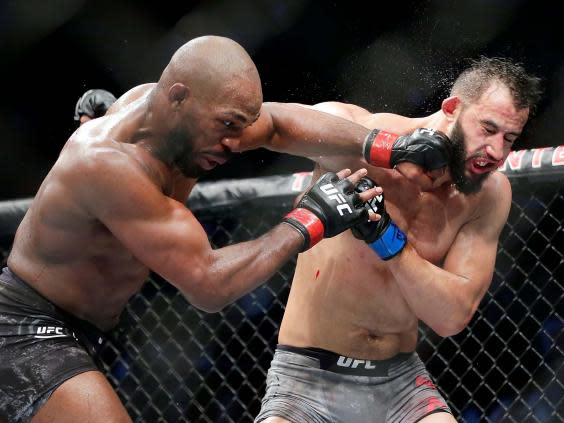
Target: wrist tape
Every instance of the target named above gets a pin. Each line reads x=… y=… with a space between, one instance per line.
x=378 y=148
x=390 y=243
x=308 y=224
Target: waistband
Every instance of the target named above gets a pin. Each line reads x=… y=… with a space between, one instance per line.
x=34 y=298
x=10 y=278
x=28 y=294
x=336 y=363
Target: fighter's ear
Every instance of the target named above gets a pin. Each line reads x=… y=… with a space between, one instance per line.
x=178 y=92
x=450 y=106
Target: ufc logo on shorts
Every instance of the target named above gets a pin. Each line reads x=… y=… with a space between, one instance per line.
x=353 y=363
x=49 y=332
x=333 y=194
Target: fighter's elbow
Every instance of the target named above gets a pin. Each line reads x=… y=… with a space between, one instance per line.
x=203 y=302
x=445 y=330
x=208 y=306
x=206 y=295
x=206 y=301
x=453 y=325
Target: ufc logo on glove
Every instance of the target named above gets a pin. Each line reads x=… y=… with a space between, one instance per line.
x=316 y=216
x=333 y=194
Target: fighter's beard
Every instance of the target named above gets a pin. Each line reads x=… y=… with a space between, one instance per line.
x=463 y=183
x=177 y=152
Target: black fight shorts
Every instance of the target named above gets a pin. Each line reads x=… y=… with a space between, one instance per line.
x=40 y=348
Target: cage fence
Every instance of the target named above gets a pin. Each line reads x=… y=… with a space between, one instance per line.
x=170 y=362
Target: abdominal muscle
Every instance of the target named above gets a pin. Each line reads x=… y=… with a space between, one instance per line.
x=343 y=299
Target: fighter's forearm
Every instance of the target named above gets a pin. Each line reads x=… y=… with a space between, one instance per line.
x=439 y=298
x=217 y=277
x=238 y=269
x=305 y=132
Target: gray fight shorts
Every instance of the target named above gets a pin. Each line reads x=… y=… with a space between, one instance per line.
x=310 y=385
x=40 y=347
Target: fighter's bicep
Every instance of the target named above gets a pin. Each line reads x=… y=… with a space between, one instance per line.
x=159 y=231
x=343 y=110
x=171 y=242
x=474 y=249
x=471 y=253
x=472 y=256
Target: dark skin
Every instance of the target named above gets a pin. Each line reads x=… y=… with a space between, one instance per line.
x=112 y=207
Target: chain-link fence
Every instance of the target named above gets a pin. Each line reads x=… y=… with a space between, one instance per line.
x=172 y=363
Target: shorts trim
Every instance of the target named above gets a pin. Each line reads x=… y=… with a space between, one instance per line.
x=341 y=364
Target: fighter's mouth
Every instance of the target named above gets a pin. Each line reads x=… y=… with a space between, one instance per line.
x=482 y=165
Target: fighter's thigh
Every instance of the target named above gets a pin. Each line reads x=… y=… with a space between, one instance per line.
x=276 y=420
x=85 y=397
x=438 y=418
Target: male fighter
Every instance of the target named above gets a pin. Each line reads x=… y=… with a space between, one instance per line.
x=92 y=104
x=349 y=332
x=112 y=207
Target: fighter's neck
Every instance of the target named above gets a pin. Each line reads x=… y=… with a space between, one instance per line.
x=136 y=126
x=137 y=123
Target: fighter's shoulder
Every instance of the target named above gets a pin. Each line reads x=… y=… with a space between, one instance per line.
x=497 y=185
x=495 y=196
x=101 y=162
x=130 y=96
x=387 y=121
x=344 y=110
x=394 y=123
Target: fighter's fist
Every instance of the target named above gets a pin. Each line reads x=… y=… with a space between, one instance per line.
x=93 y=103
x=427 y=148
x=329 y=207
x=383 y=236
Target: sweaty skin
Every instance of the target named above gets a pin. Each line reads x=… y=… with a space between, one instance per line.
x=346 y=300
x=112 y=206
x=62 y=248
x=109 y=210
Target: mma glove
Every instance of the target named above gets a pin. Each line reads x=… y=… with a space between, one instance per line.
x=427 y=148
x=93 y=103
x=328 y=208
x=383 y=236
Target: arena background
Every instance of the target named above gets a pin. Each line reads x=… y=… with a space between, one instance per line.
x=395 y=56
x=170 y=362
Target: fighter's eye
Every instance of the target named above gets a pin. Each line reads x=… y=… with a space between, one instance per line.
x=228 y=123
